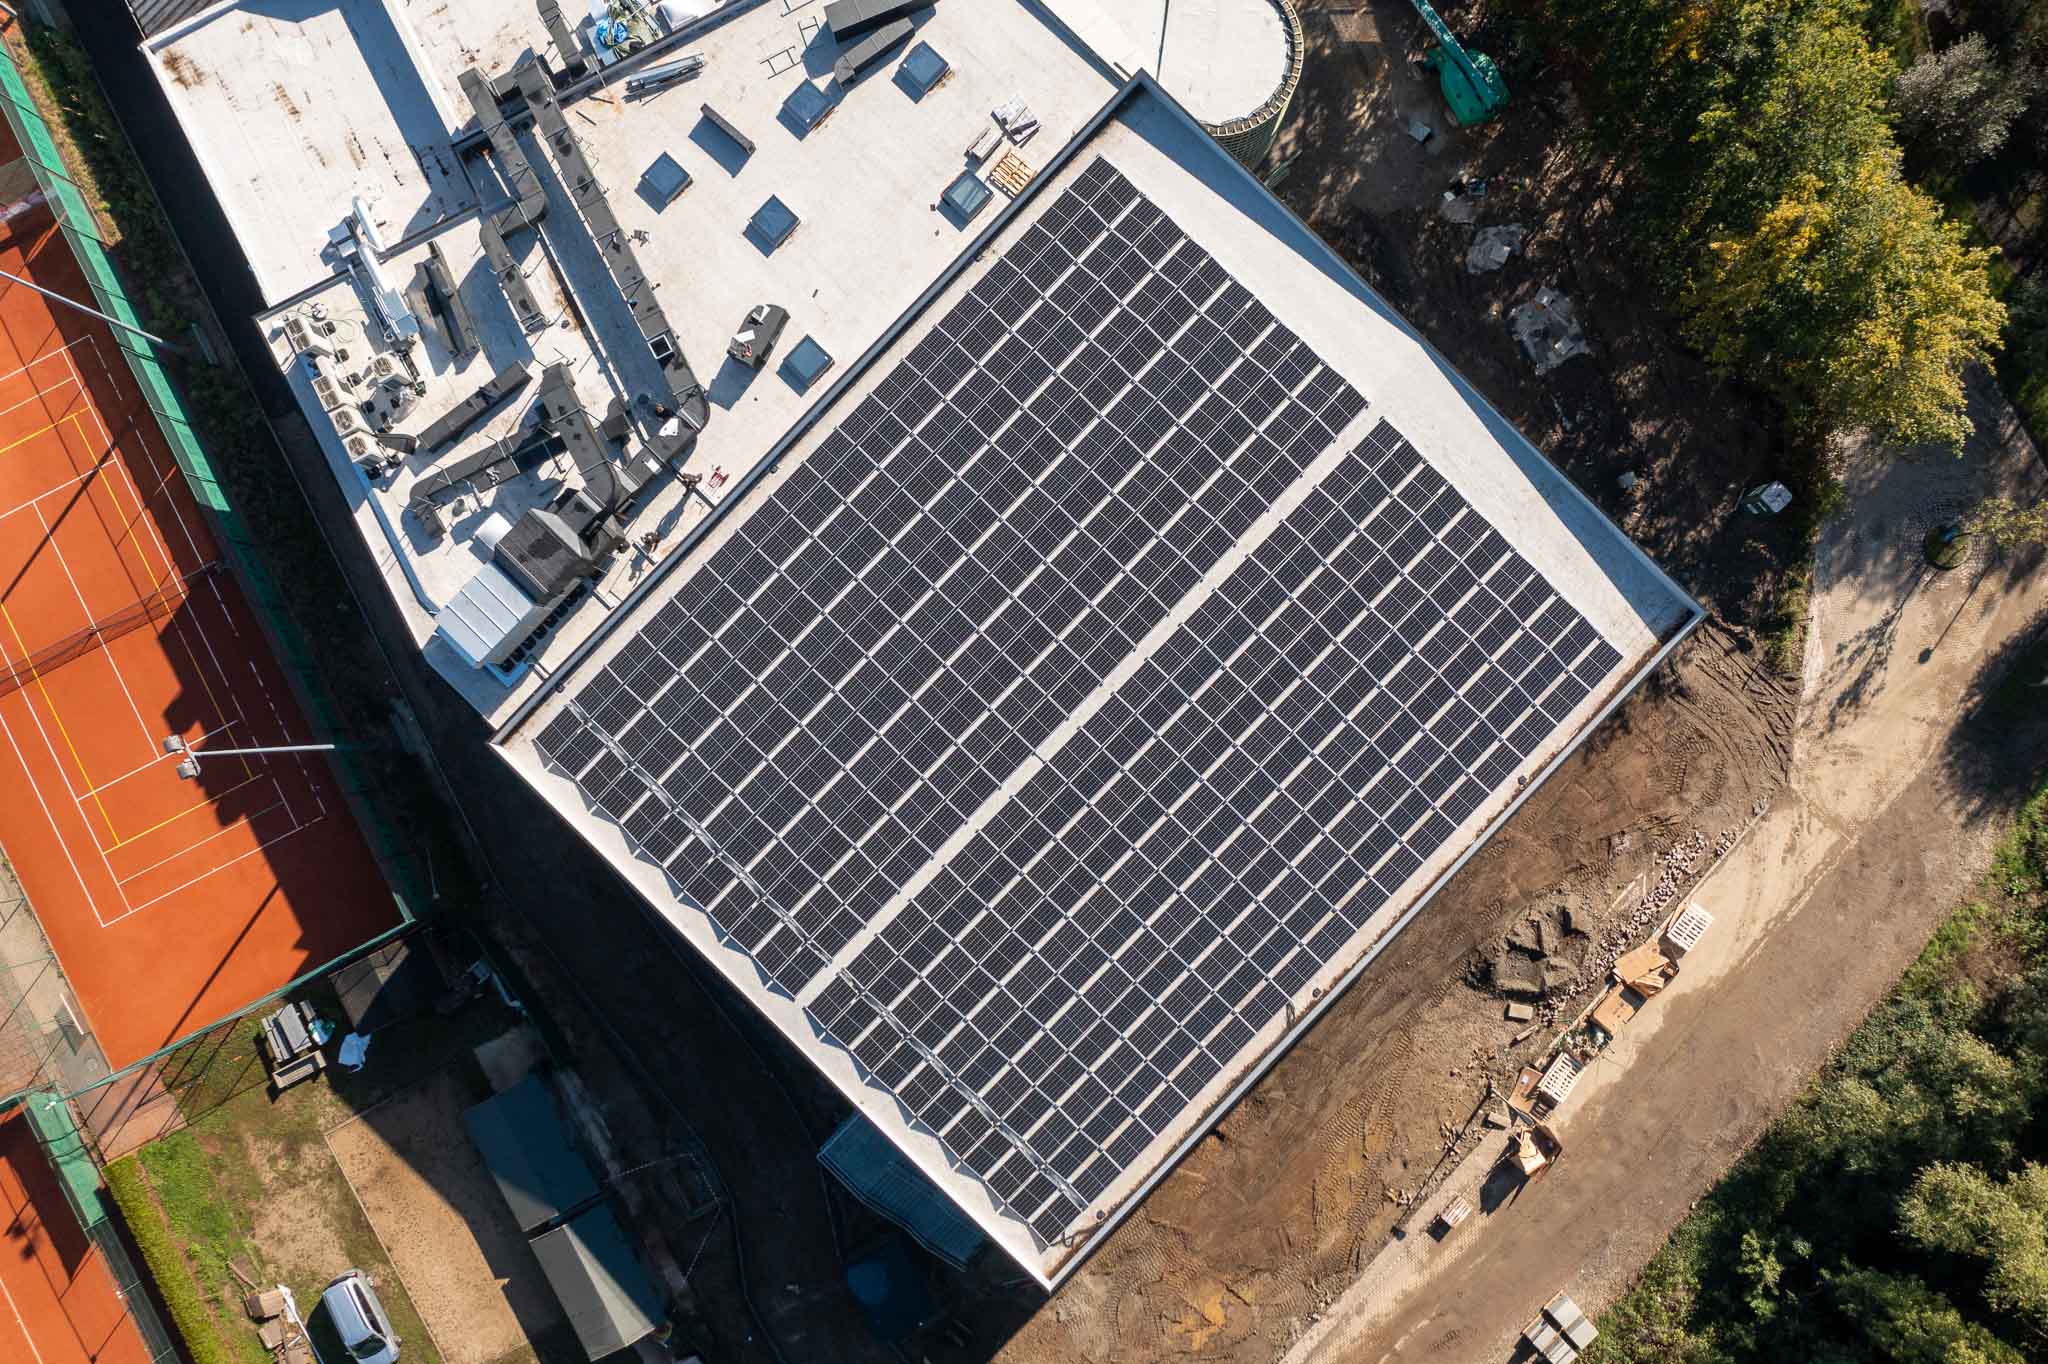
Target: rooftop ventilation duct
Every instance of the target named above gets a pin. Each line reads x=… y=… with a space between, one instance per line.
x=871 y=51
x=850 y=19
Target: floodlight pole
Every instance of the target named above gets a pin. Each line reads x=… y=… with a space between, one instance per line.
x=189 y=768
x=69 y=302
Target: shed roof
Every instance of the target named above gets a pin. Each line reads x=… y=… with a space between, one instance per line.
x=606 y=1294
x=527 y=1150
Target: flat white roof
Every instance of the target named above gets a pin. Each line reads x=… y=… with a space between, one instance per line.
x=1222 y=59
x=1537 y=511
x=296 y=108
x=864 y=185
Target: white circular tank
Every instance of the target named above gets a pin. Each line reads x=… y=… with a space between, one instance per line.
x=1233 y=64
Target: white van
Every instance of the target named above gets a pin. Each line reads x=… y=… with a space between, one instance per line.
x=359 y=1319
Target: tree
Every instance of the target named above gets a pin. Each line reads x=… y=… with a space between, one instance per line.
x=1856 y=301
x=1909 y=1322
x=1957 y=106
x=1961 y=1209
x=2007 y=524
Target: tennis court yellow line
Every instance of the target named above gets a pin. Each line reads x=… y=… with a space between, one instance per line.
x=41 y=431
x=57 y=715
x=170 y=571
x=199 y=805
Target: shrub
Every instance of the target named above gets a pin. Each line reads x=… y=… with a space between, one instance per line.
x=195 y=1325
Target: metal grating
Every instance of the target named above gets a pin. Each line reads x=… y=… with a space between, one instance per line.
x=875 y=737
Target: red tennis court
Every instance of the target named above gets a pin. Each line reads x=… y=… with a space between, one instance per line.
x=169 y=902
x=58 y=1302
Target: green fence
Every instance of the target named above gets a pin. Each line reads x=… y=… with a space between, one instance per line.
x=81 y=230
x=79 y=1177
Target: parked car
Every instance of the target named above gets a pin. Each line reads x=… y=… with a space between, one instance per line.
x=758 y=333
x=359 y=1319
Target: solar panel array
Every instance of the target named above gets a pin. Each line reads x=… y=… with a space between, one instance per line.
x=876 y=739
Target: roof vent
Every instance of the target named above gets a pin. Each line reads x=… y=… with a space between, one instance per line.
x=771 y=224
x=805 y=364
x=664 y=180
x=966 y=196
x=923 y=71
x=806 y=107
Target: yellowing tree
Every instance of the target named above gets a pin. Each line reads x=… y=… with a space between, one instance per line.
x=1856 y=301
x=1960 y=1208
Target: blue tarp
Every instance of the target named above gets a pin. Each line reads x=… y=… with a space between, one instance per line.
x=876 y=1173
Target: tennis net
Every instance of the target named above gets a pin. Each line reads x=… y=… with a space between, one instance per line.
x=16 y=673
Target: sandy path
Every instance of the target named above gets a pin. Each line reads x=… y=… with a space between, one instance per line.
x=1818 y=911
x=444 y=1224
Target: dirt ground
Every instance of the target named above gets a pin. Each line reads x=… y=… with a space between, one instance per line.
x=447 y=1229
x=1639 y=403
x=1904 y=756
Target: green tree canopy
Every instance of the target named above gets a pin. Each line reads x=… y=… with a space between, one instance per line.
x=1768 y=187
x=1912 y=1324
x=1961 y=1209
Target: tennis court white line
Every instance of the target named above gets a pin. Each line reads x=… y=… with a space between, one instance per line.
x=305 y=767
x=144 y=767
x=53 y=354
x=12 y=1307
x=91 y=901
x=249 y=818
x=39 y=393
x=47 y=492
x=120 y=459
x=269 y=842
x=78 y=592
x=141 y=436
x=123 y=461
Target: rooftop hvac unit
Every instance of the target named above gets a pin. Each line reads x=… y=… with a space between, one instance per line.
x=360 y=447
x=303 y=337
x=348 y=421
x=333 y=391
x=384 y=367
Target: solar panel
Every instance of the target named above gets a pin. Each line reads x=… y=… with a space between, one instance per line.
x=1019 y=737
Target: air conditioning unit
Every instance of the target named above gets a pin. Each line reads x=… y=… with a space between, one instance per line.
x=360 y=447
x=383 y=368
x=333 y=392
x=348 y=421
x=303 y=336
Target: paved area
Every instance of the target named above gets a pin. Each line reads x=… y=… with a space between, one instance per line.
x=1882 y=826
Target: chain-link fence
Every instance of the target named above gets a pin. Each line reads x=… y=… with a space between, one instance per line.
x=48 y=177
x=65 y=1147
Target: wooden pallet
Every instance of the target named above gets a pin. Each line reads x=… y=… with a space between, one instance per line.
x=1011 y=174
